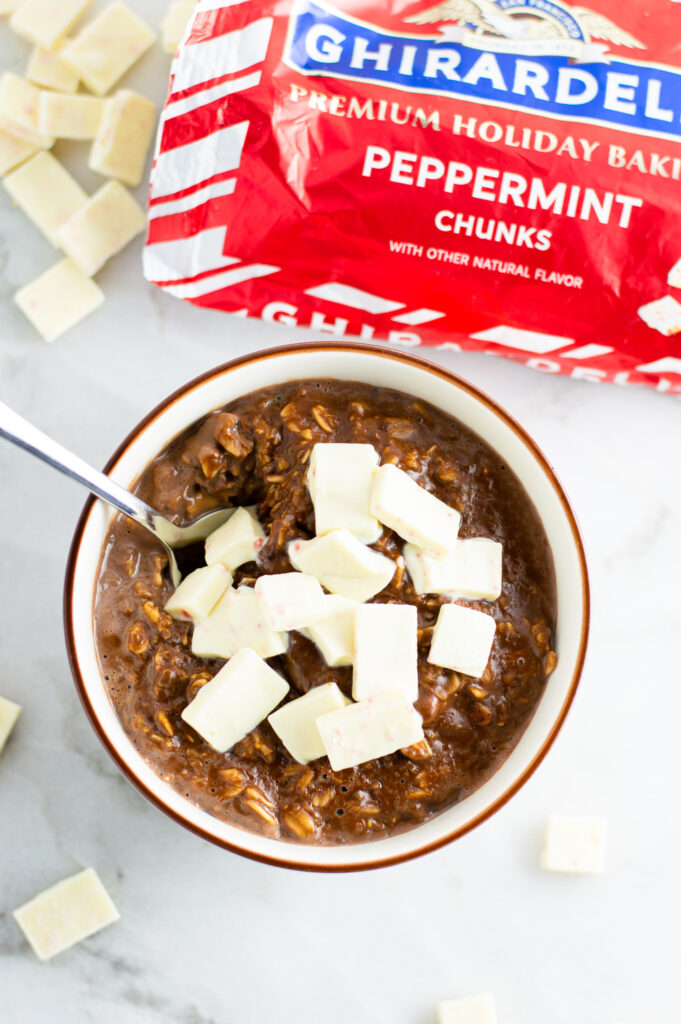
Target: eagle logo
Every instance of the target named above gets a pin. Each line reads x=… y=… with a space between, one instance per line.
x=522 y=22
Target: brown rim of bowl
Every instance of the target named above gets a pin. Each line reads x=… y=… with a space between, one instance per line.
x=458 y=382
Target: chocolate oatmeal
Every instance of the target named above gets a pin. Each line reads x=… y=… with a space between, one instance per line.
x=254 y=453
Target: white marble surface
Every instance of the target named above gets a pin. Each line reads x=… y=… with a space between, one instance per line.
x=208 y=938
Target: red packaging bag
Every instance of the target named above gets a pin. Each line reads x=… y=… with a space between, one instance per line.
x=491 y=175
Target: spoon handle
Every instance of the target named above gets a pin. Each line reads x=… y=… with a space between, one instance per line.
x=20 y=432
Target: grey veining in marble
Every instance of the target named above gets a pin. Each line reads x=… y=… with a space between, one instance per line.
x=208 y=938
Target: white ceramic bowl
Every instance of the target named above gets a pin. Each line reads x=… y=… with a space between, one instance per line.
x=385 y=368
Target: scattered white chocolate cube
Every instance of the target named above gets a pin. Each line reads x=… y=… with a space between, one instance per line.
x=414 y=513
x=385 y=655
x=339 y=479
x=9 y=7
x=108 y=47
x=46 y=22
x=473 y=570
x=9 y=713
x=237 y=541
x=674 y=275
x=66 y=914
x=175 y=24
x=296 y=722
x=371 y=729
x=59 y=299
x=289 y=600
x=334 y=632
x=470 y=1010
x=575 y=845
x=69 y=117
x=235 y=701
x=663 y=315
x=46 y=193
x=46 y=70
x=124 y=137
x=462 y=640
x=19 y=103
x=199 y=592
x=14 y=151
x=343 y=565
x=236 y=622
x=102 y=228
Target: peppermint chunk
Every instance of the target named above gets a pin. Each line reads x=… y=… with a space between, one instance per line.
x=19 y=102
x=343 y=565
x=462 y=640
x=339 y=480
x=108 y=47
x=46 y=70
x=237 y=541
x=124 y=136
x=334 y=632
x=471 y=1010
x=371 y=729
x=472 y=570
x=199 y=592
x=9 y=712
x=13 y=151
x=290 y=600
x=108 y=222
x=385 y=651
x=175 y=24
x=59 y=299
x=663 y=315
x=66 y=914
x=235 y=701
x=236 y=622
x=69 y=117
x=575 y=845
x=46 y=193
x=296 y=723
x=412 y=512
x=46 y=22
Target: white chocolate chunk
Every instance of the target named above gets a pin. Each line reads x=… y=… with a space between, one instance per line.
x=102 y=228
x=236 y=700
x=334 y=632
x=122 y=142
x=385 y=651
x=416 y=515
x=236 y=622
x=108 y=47
x=69 y=117
x=663 y=315
x=9 y=6
x=59 y=299
x=46 y=193
x=9 y=712
x=343 y=565
x=472 y=570
x=674 y=275
x=339 y=479
x=46 y=22
x=48 y=71
x=14 y=151
x=371 y=729
x=462 y=640
x=470 y=1010
x=289 y=600
x=199 y=592
x=296 y=723
x=575 y=845
x=237 y=541
x=19 y=102
x=66 y=914
x=175 y=23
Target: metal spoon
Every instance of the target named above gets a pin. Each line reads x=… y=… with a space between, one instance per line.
x=22 y=433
